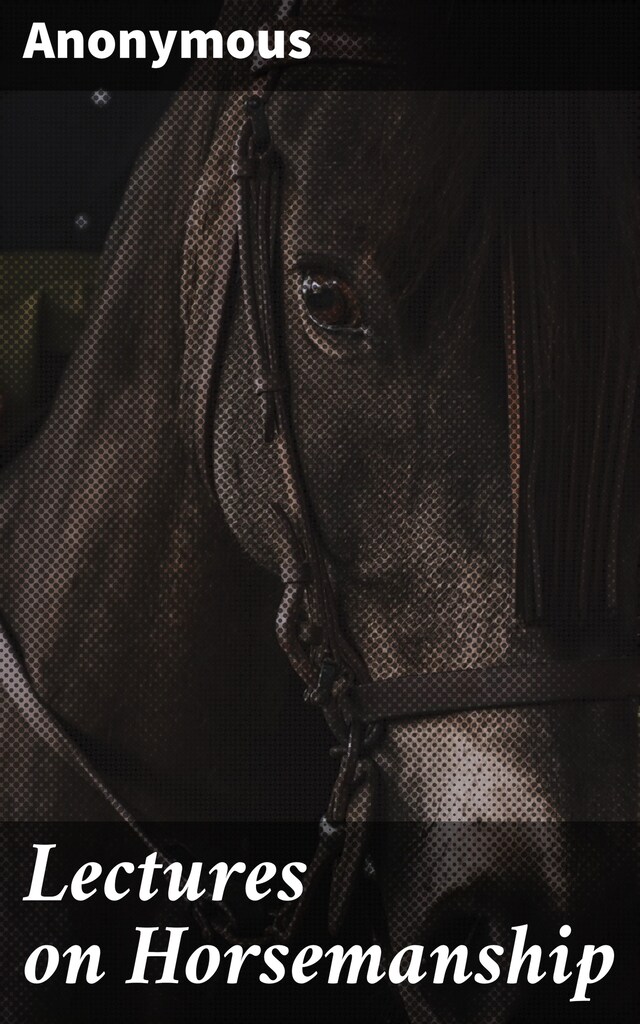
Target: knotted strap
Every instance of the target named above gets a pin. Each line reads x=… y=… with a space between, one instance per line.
x=328 y=663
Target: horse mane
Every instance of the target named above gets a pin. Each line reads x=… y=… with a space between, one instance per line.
x=553 y=176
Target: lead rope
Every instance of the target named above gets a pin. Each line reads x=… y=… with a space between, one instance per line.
x=331 y=668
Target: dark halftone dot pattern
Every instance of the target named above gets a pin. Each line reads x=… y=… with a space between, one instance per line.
x=141 y=546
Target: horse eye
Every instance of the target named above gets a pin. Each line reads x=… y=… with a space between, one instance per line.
x=330 y=302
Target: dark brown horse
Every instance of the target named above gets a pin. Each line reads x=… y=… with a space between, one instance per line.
x=364 y=363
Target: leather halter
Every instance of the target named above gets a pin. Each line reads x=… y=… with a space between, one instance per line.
x=336 y=678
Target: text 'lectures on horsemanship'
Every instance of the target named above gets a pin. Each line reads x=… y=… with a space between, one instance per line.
x=158 y=47
x=577 y=968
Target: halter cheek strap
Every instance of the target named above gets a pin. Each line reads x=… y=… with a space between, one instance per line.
x=329 y=665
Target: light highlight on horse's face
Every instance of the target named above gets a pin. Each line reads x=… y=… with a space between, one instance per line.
x=399 y=416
